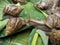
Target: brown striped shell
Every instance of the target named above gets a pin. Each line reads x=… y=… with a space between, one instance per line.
x=53 y=21
x=13 y=25
x=47 y=4
x=12 y=10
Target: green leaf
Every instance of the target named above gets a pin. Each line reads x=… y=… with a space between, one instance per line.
x=5 y=41
x=43 y=36
x=20 y=38
x=39 y=41
x=3 y=23
x=31 y=36
x=34 y=1
x=46 y=15
x=30 y=12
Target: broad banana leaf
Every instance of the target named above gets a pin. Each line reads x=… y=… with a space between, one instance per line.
x=42 y=37
x=30 y=12
x=22 y=37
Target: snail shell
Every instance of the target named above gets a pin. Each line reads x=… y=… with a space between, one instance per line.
x=13 y=25
x=12 y=10
x=53 y=21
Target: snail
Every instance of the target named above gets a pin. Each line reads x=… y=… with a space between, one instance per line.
x=12 y=9
x=47 y=4
x=13 y=25
x=52 y=21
